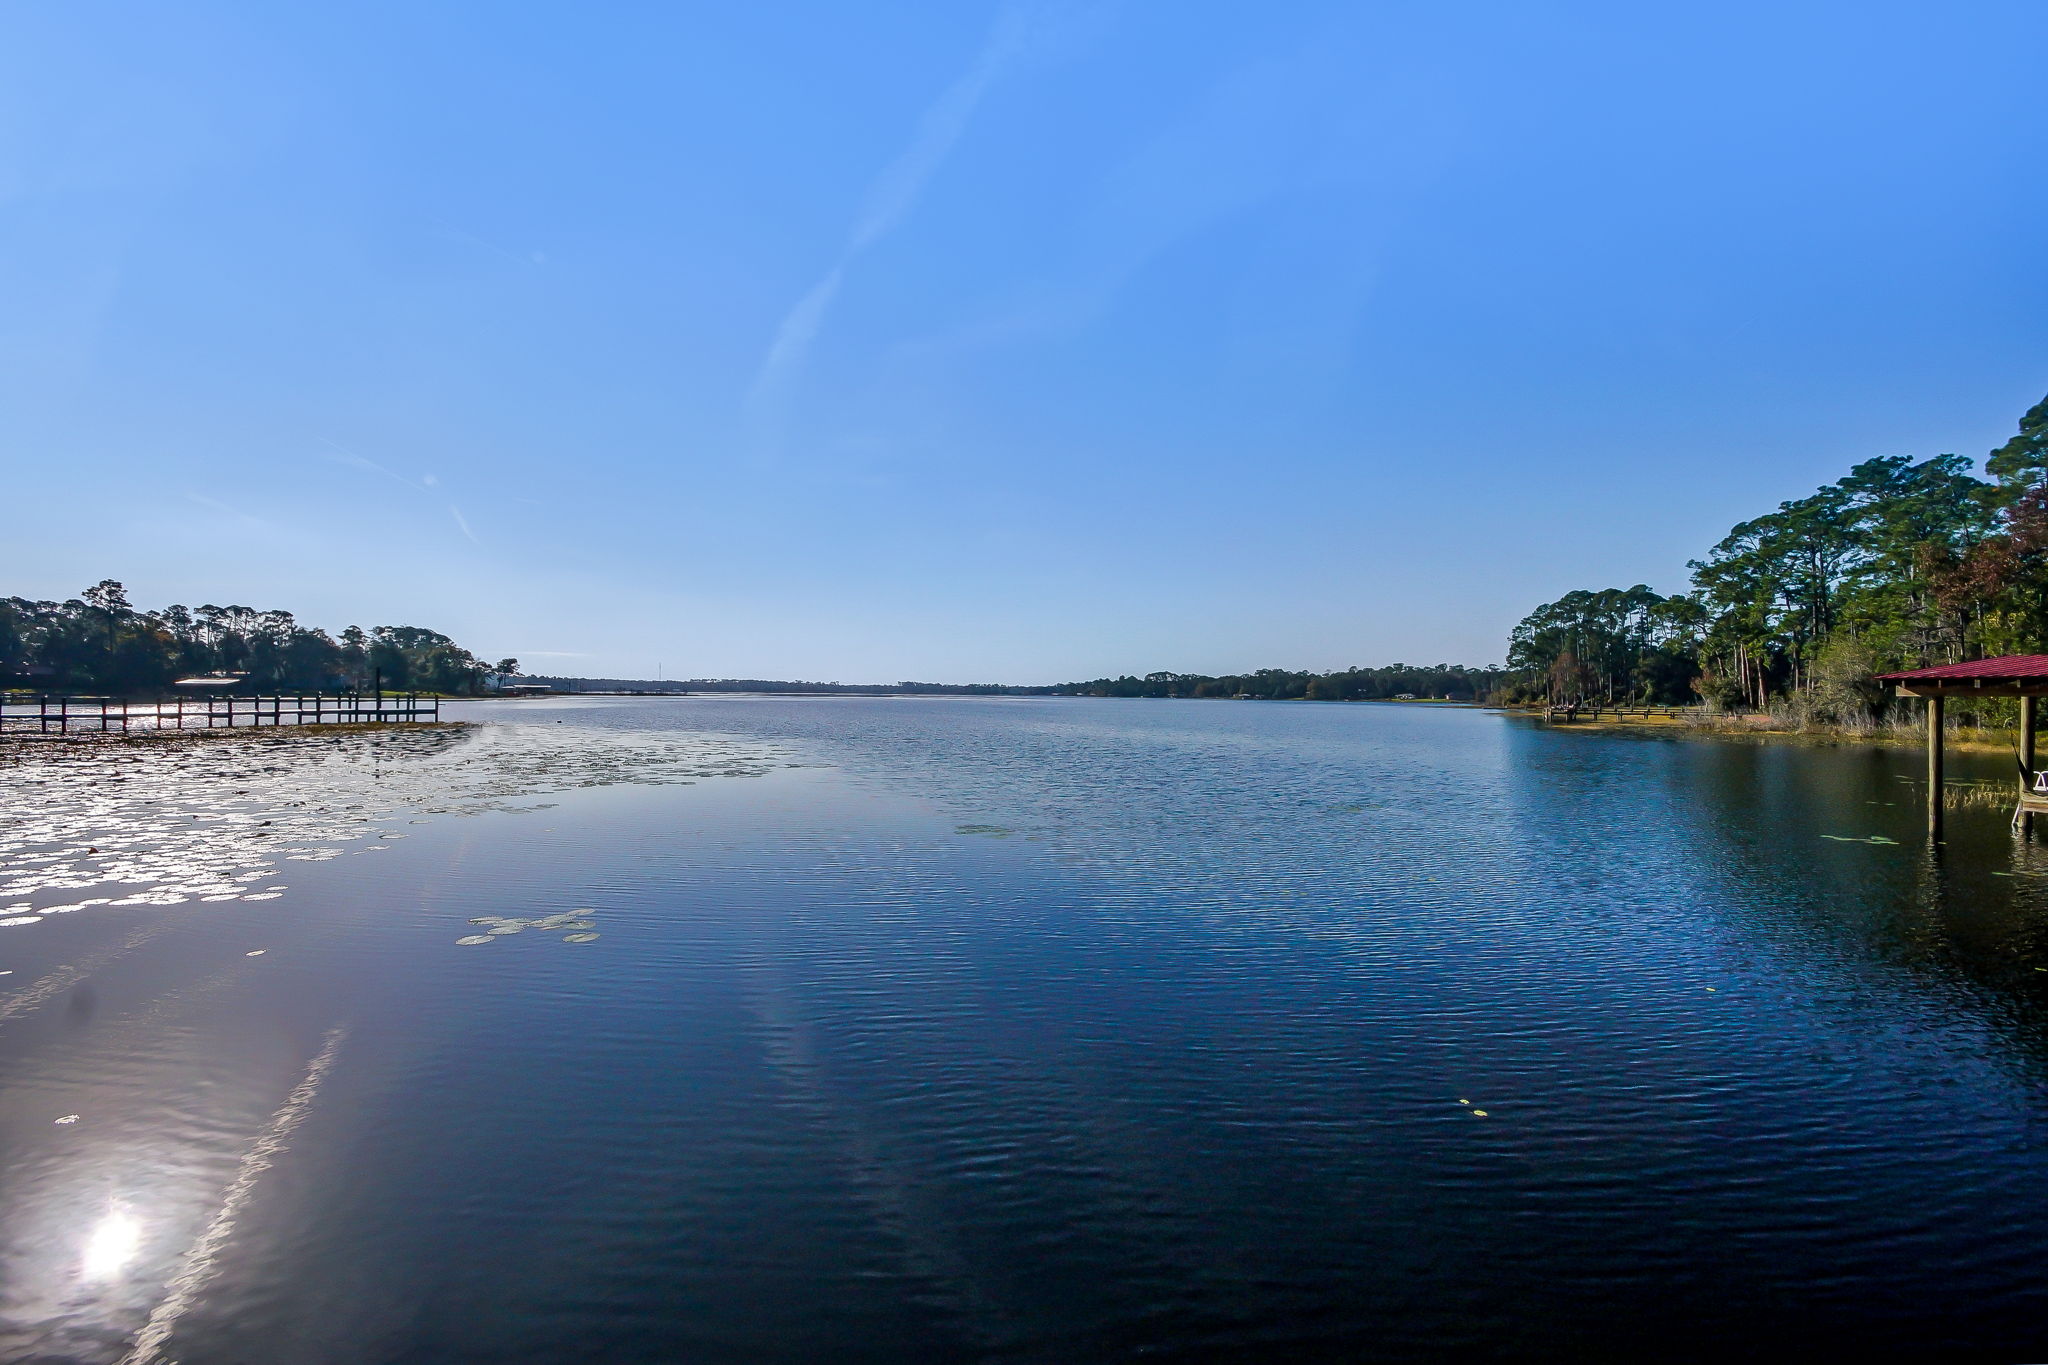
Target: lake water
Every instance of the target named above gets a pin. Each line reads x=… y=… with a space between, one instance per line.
x=1021 y=1030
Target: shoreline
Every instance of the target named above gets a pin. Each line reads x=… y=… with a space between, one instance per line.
x=1761 y=728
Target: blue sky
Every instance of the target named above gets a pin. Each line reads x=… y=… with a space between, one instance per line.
x=966 y=342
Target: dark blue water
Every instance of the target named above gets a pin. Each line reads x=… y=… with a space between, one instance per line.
x=937 y=1030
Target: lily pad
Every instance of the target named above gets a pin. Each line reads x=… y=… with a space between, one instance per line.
x=473 y=939
x=579 y=938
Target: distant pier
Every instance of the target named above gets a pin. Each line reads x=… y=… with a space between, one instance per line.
x=65 y=715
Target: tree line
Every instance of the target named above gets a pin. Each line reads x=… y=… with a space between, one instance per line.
x=1438 y=681
x=773 y=685
x=1898 y=564
x=99 y=642
x=1453 y=681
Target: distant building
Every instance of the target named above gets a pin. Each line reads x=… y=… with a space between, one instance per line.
x=211 y=681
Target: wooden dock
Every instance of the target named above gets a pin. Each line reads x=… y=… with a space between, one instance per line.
x=2009 y=675
x=1591 y=711
x=66 y=715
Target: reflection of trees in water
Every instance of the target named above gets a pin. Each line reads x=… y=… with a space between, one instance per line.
x=1770 y=842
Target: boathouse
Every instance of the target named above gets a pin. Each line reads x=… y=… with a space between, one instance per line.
x=2010 y=675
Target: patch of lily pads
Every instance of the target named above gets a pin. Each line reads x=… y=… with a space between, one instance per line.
x=504 y=926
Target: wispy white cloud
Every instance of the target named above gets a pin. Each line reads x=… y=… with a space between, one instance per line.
x=889 y=201
x=216 y=505
x=453 y=233
x=426 y=483
x=344 y=456
x=800 y=327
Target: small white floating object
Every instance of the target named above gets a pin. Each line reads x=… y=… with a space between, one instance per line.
x=12 y=920
x=1478 y=1113
x=264 y=896
x=473 y=939
x=579 y=938
x=258 y=953
x=68 y=1118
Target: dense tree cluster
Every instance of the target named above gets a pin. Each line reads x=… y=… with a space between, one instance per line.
x=98 y=642
x=1898 y=564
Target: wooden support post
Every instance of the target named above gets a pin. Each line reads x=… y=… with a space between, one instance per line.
x=1934 y=768
x=2027 y=719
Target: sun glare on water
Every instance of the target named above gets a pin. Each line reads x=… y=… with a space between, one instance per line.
x=112 y=1245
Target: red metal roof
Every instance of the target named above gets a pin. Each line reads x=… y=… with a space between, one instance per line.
x=2005 y=666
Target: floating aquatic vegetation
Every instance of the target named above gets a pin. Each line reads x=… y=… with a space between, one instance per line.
x=474 y=939
x=1852 y=839
x=1478 y=1113
x=190 y=818
x=579 y=938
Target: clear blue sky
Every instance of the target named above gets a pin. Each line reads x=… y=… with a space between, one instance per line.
x=960 y=341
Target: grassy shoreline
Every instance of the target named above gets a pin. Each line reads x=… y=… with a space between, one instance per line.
x=1908 y=732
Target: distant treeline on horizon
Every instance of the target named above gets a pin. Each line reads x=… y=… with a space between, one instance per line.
x=1453 y=681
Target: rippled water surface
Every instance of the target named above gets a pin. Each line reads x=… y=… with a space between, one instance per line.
x=729 y=1029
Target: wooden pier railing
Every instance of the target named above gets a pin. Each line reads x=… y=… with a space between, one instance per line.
x=1590 y=711
x=110 y=715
